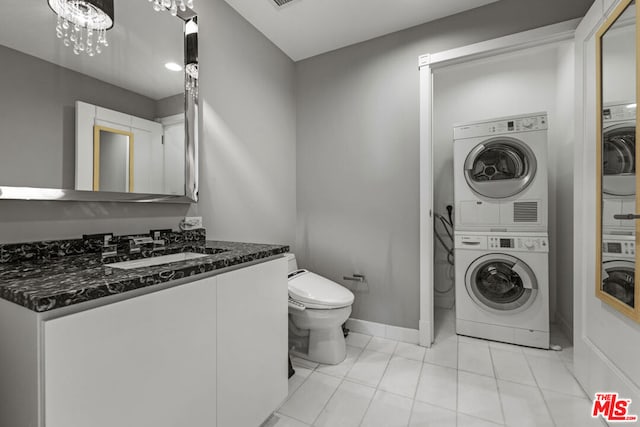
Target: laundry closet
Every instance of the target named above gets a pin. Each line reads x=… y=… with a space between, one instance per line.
x=528 y=84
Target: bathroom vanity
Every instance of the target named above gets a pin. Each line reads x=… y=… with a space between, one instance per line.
x=200 y=342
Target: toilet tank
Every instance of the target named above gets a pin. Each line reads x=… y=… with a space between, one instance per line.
x=293 y=264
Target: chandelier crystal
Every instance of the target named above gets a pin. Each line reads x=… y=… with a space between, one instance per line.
x=191 y=56
x=172 y=5
x=83 y=24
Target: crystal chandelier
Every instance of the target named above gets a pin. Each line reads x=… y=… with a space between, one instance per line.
x=172 y=5
x=83 y=24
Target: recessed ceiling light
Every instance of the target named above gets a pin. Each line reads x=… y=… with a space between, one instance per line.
x=173 y=66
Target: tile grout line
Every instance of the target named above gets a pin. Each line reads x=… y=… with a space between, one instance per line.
x=297 y=389
x=415 y=393
x=328 y=400
x=376 y=390
x=504 y=418
x=343 y=379
x=544 y=399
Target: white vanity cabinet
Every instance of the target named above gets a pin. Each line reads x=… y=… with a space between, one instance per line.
x=252 y=344
x=148 y=361
x=211 y=352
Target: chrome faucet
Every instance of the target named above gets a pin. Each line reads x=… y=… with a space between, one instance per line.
x=108 y=248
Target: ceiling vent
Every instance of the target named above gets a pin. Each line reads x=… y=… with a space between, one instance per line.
x=281 y=3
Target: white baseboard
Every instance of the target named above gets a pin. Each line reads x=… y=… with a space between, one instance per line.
x=565 y=326
x=411 y=336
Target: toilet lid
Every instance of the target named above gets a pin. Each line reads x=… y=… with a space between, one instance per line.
x=311 y=289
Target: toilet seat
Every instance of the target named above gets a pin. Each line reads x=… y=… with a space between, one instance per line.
x=317 y=292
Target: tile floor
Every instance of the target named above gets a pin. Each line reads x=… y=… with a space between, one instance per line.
x=458 y=382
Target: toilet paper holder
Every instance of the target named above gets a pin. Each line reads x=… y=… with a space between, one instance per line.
x=355 y=278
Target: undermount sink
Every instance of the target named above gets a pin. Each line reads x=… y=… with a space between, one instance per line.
x=158 y=260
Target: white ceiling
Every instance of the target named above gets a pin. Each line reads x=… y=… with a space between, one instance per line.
x=140 y=43
x=304 y=28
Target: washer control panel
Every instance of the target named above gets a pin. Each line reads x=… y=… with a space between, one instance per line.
x=519 y=243
x=615 y=113
x=501 y=242
x=619 y=246
x=499 y=127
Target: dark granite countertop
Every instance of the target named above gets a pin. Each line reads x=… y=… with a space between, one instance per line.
x=47 y=284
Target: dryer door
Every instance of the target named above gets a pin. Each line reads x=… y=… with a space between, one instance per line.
x=619 y=160
x=502 y=283
x=500 y=167
x=618 y=279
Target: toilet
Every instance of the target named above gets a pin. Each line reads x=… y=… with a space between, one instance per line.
x=317 y=309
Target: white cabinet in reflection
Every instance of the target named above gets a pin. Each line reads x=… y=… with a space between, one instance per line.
x=157 y=151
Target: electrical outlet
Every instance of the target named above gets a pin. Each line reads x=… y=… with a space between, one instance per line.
x=191 y=222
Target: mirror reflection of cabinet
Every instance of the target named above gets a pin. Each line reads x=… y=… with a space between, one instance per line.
x=618 y=207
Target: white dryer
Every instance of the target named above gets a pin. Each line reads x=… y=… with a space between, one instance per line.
x=502 y=287
x=500 y=174
x=618 y=267
x=619 y=166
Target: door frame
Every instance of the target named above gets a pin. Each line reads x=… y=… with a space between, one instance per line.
x=427 y=64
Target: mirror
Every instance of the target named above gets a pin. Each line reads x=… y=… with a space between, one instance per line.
x=65 y=117
x=113 y=160
x=617 y=153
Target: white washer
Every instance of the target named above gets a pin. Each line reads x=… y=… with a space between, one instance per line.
x=618 y=267
x=502 y=287
x=619 y=166
x=500 y=174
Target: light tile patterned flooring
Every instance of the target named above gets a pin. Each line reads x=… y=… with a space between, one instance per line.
x=460 y=381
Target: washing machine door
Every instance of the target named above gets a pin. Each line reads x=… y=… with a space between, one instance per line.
x=618 y=280
x=501 y=283
x=500 y=167
x=619 y=159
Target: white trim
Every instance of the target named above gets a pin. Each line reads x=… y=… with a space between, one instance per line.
x=171 y=120
x=606 y=368
x=537 y=37
x=381 y=330
x=426 y=323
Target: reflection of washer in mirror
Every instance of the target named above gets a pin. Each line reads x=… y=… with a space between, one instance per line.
x=500 y=168
x=501 y=282
x=618 y=280
x=618 y=267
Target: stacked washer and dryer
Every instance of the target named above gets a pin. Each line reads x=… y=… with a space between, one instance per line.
x=501 y=230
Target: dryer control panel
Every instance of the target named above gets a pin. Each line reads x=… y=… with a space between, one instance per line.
x=501 y=127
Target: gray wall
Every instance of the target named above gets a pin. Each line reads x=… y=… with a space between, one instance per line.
x=247 y=168
x=170 y=105
x=357 y=152
x=37 y=118
x=247 y=158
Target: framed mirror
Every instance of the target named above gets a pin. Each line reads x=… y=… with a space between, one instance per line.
x=98 y=115
x=618 y=205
